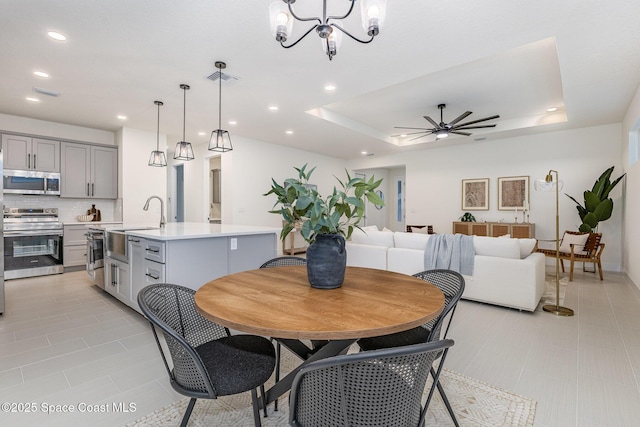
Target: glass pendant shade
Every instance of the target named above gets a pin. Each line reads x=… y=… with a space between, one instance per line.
x=332 y=44
x=157 y=157
x=281 y=20
x=220 y=141
x=373 y=13
x=184 y=151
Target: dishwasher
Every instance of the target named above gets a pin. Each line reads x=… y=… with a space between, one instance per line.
x=95 y=256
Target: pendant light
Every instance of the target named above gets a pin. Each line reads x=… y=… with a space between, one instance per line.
x=157 y=157
x=184 y=151
x=220 y=140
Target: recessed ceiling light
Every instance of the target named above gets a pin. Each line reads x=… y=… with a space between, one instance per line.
x=56 y=36
x=364 y=153
x=289 y=132
x=552 y=109
x=41 y=74
x=402 y=135
x=273 y=108
x=121 y=117
x=32 y=99
x=202 y=133
x=233 y=122
x=330 y=88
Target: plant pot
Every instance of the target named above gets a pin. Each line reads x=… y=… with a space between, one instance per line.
x=326 y=261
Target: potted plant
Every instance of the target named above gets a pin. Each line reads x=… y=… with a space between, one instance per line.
x=325 y=221
x=468 y=217
x=597 y=204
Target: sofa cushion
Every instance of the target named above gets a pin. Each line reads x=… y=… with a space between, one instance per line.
x=496 y=247
x=526 y=247
x=578 y=240
x=410 y=240
x=375 y=238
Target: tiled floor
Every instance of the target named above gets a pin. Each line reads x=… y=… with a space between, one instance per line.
x=63 y=341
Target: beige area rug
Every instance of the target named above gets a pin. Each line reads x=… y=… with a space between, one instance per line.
x=474 y=403
x=549 y=296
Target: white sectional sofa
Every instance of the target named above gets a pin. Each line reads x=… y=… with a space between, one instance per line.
x=506 y=271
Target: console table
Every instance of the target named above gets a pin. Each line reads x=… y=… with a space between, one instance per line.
x=519 y=230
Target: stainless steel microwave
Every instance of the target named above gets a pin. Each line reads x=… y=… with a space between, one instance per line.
x=31 y=182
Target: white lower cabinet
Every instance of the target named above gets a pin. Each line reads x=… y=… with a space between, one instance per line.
x=117 y=280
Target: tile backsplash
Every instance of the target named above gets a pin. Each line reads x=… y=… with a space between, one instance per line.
x=68 y=209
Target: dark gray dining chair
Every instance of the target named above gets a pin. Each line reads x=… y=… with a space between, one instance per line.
x=282 y=261
x=451 y=284
x=371 y=388
x=207 y=360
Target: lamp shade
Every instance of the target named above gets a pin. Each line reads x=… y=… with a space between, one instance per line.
x=220 y=141
x=546 y=185
x=157 y=159
x=281 y=20
x=184 y=151
x=373 y=13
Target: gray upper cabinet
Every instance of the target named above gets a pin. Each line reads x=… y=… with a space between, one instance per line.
x=88 y=171
x=35 y=154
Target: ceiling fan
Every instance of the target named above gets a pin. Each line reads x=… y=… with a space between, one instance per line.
x=442 y=129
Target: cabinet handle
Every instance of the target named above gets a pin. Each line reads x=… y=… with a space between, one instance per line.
x=34 y=162
x=152 y=276
x=155 y=251
x=88 y=194
x=28 y=161
x=92 y=190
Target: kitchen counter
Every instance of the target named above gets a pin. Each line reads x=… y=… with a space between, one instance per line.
x=195 y=230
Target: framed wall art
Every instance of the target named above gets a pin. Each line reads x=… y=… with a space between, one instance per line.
x=513 y=193
x=475 y=194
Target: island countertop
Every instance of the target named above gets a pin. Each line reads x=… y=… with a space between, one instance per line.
x=196 y=230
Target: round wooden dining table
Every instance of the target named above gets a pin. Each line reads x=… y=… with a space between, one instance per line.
x=279 y=302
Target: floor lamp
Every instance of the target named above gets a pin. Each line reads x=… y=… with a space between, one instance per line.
x=548 y=184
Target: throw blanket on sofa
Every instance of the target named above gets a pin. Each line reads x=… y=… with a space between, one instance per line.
x=450 y=251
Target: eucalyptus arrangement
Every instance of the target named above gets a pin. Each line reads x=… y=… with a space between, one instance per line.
x=338 y=213
x=598 y=206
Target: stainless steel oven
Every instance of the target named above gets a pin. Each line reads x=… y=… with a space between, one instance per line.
x=32 y=242
x=95 y=256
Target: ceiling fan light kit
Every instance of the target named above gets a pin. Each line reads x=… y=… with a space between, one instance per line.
x=282 y=15
x=442 y=130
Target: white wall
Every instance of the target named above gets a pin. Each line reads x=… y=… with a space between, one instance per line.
x=631 y=240
x=434 y=177
x=138 y=180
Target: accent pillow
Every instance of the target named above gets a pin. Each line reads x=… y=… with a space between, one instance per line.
x=411 y=240
x=386 y=230
x=578 y=240
x=526 y=247
x=423 y=230
x=496 y=247
x=375 y=238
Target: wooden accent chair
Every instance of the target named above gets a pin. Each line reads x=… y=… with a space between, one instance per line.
x=592 y=251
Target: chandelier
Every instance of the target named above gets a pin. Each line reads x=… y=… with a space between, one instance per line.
x=282 y=14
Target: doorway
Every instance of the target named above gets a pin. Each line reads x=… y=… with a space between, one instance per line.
x=179 y=192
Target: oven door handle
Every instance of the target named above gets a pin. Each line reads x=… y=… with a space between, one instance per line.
x=33 y=233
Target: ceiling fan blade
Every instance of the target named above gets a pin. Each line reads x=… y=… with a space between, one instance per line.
x=418 y=137
x=402 y=127
x=473 y=127
x=479 y=120
x=460 y=133
x=430 y=120
x=411 y=133
x=460 y=117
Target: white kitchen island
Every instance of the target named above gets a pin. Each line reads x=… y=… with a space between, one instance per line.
x=187 y=254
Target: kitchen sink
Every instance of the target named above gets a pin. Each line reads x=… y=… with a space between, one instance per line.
x=116 y=242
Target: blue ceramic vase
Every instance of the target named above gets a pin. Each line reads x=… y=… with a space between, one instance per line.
x=326 y=261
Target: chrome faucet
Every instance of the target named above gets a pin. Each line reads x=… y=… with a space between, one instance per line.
x=146 y=208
